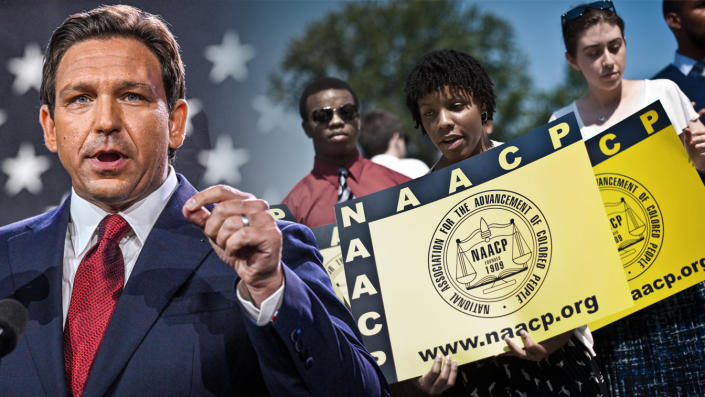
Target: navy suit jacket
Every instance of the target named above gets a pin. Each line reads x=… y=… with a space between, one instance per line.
x=178 y=328
x=692 y=86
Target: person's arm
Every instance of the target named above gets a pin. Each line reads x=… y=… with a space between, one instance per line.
x=686 y=122
x=318 y=330
x=310 y=347
x=693 y=138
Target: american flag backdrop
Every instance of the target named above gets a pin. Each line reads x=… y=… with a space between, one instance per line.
x=235 y=135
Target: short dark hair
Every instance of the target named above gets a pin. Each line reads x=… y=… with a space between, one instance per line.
x=455 y=69
x=574 y=28
x=116 y=21
x=322 y=84
x=672 y=6
x=378 y=127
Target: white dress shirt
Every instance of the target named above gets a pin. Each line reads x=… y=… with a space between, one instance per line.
x=684 y=63
x=413 y=168
x=141 y=216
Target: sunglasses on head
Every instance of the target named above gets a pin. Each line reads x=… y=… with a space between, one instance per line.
x=578 y=12
x=347 y=113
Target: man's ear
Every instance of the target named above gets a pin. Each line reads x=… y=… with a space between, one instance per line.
x=177 y=124
x=395 y=141
x=673 y=21
x=49 y=128
x=306 y=126
x=571 y=61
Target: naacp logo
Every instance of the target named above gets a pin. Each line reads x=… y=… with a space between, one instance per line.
x=636 y=220
x=336 y=271
x=490 y=253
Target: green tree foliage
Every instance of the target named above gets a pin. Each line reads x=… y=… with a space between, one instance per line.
x=545 y=103
x=374 y=45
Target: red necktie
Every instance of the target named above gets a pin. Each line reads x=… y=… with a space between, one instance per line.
x=96 y=290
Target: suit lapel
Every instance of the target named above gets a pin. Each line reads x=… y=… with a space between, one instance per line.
x=36 y=261
x=172 y=252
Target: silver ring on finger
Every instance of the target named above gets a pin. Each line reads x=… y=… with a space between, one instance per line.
x=245 y=220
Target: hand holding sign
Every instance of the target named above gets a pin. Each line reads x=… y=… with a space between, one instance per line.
x=694 y=140
x=483 y=249
x=441 y=377
x=533 y=351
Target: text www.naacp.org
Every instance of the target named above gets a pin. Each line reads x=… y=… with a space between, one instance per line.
x=589 y=305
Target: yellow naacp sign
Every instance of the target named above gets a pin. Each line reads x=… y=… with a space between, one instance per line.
x=329 y=245
x=281 y=212
x=647 y=182
x=452 y=263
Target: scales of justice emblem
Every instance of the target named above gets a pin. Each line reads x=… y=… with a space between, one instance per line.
x=636 y=221
x=505 y=243
x=336 y=271
x=627 y=227
x=490 y=253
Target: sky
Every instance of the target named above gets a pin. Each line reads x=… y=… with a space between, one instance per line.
x=236 y=134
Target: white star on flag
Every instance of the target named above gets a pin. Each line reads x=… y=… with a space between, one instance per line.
x=3 y=117
x=229 y=58
x=25 y=170
x=27 y=70
x=272 y=115
x=223 y=162
x=194 y=107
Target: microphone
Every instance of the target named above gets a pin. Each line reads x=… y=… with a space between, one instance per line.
x=13 y=321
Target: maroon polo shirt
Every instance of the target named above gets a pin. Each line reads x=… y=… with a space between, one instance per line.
x=312 y=199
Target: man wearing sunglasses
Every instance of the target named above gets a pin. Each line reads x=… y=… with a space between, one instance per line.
x=330 y=117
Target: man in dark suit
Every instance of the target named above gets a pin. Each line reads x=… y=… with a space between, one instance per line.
x=140 y=285
x=686 y=19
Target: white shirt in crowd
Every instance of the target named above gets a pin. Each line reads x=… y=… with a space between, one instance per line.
x=677 y=106
x=684 y=64
x=413 y=168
